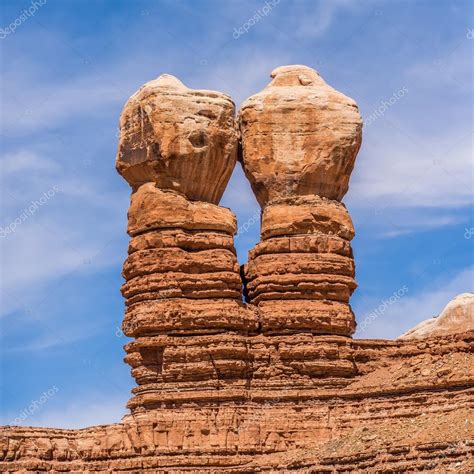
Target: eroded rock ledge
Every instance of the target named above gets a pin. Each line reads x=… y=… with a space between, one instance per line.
x=396 y=406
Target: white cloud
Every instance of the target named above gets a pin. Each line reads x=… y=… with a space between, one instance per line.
x=53 y=104
x=24 y=160
x=40 y=248
x=314 y=23
x=412 y=308
x=48 y=340
x=408 y=222
x=449 y=72
x=393 y=170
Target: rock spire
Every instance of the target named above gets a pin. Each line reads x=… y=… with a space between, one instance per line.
x=300 y=138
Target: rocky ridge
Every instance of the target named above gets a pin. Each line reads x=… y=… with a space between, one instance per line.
x=456 y=317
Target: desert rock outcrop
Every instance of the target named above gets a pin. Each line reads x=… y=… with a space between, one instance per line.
x=457 y=317
x=300 y=138
x=275 y=384
x=177 y=150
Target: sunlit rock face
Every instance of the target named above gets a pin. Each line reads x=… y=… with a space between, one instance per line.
x=179 y=138
x=178 y=148
x=300 y=136
x=457 y=317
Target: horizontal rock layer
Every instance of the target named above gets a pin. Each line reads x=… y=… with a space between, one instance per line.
x=301 y=275
x=308 y=215
x=405 y=408
x=151 y=208
x=182 y=315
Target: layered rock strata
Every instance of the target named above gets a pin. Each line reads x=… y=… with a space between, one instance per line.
x=182 y=276
x=300 y=139
x=276 y=385
x=182 y=281
x=407 y=408
x=181 y=273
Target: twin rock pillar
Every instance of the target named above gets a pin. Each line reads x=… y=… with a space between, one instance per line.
x=184 y=304
x=177 y=150
x=300 y=140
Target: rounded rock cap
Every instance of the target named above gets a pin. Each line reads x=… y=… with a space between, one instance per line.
x=295 y=75
x=300 y=137
x=179 y=138
x=166 y=81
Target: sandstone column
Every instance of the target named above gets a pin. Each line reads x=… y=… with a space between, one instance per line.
x=177 y=150
x=300 y=138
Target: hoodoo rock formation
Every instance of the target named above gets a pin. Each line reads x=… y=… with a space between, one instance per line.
x=275 y=383
x=300 y=139
x=182 y=276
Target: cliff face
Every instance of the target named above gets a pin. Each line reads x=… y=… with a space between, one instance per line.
x=275 y=383
x=383 y=406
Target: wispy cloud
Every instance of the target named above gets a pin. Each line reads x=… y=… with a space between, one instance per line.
x=406 y=222
x=49 y=244
x=24 y=160
x=316 y=18
x=413 y=308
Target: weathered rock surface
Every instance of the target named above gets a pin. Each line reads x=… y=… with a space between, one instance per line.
x=308 y=215
x=299 y=137
x=304 y=404
x=456 y=317
x=179 y=138
x=177 y=150
x=277 y=384
x=152 y=208
x=182 y=281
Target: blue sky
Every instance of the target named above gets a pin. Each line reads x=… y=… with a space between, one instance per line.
x=68 y=68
